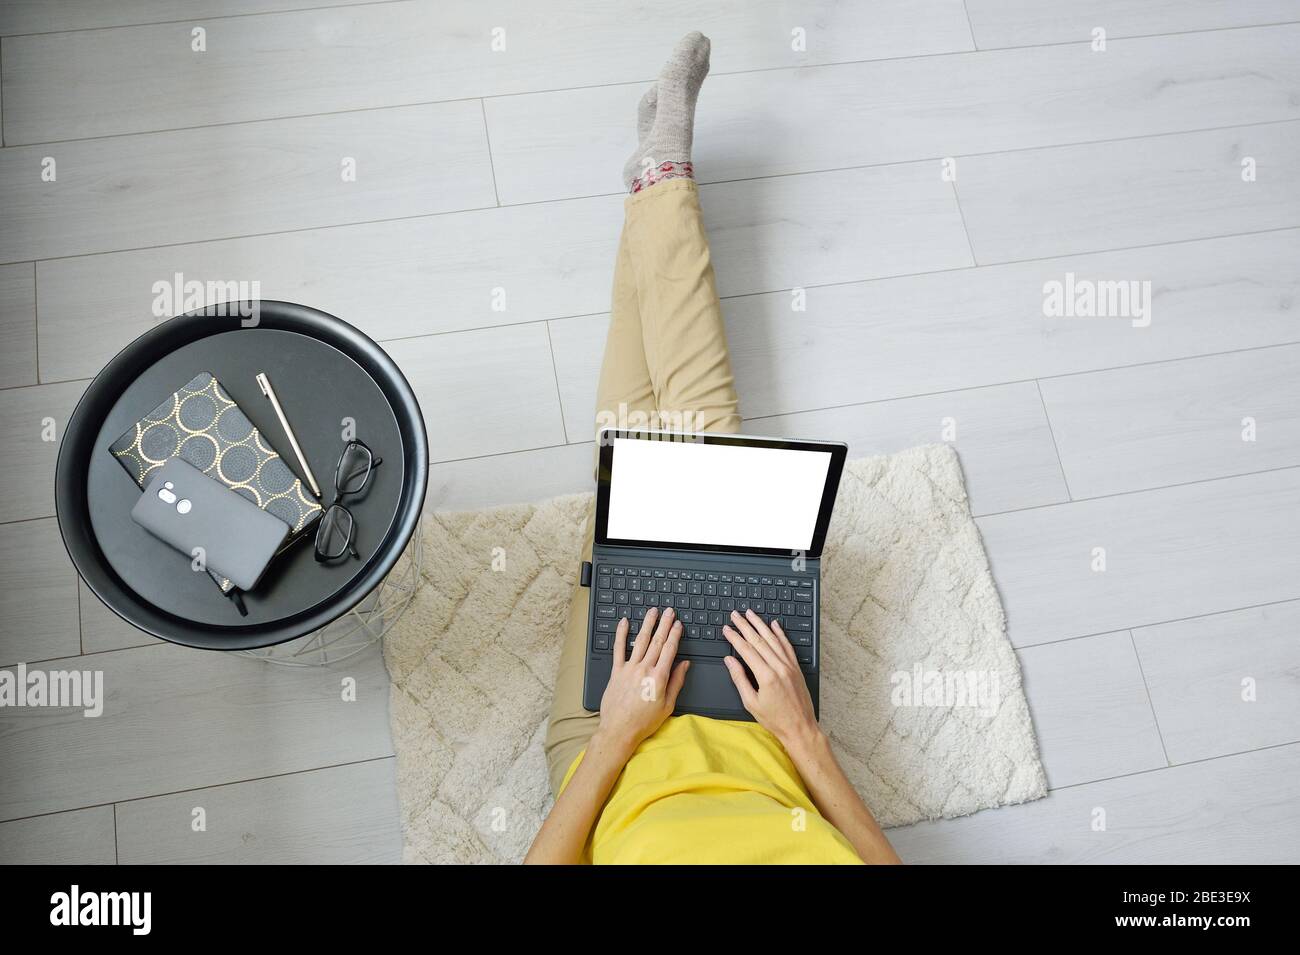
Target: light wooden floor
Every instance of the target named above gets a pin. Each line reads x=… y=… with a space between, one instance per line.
x=481 y=170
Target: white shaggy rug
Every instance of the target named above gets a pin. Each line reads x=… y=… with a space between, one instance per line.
x=921 y=690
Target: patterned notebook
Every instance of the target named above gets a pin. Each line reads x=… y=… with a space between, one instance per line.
x=202 y=425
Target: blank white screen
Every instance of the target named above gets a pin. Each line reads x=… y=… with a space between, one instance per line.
x=694 y=493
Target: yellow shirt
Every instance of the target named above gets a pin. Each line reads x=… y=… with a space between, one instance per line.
x=702 y=790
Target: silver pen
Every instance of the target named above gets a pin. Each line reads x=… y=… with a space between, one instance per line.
x=265 y=384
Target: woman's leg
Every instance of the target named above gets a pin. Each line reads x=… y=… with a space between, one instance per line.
x=666 y=362
x=681 y=318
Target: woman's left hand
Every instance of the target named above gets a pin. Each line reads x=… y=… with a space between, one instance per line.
x=642 y=688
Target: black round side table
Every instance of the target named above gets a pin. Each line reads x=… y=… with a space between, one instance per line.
x=332 y=381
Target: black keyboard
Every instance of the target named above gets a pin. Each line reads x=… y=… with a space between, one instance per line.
x=703 y=601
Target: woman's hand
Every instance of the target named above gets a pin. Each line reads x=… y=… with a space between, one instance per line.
x=781 y=703
x=643 y=688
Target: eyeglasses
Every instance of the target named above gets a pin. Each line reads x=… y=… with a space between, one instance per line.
x=337 y=532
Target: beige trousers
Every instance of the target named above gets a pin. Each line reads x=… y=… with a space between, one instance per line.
x=666 y=366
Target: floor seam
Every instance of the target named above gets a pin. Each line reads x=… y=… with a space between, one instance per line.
x=1150 y=702
x=1055 y=447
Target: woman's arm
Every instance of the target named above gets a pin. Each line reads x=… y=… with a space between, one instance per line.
x=781 y=705
x=641 y=694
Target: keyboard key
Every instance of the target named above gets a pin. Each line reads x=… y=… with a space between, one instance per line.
x=605 y=611
x=618 y=571
x=606 y=626
x=697 y=603
x=604 y=596
x=802 y=595
x=620 y=596
x=620 y=583
x=603 y=583
x=805 y=610
x=713 y=603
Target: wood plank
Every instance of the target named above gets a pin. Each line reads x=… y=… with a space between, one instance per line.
x=1071 y=199
x=483 y=392
x=214 y=182
x=344 y=815
x=1023 y=22
x=1195 y=670
x=1238 y=810
x=933 y=333
x=27 y=471
x=41 y=16
x=441 y=273
x=438 y=274
x=515 y=478
x=787 y=121
x=1090 y=708
x=1170 y=553
x=1173 y=422
x=17 y=324
x=38 y=602
x=177 y=718
x=101 y=629
x=1005 y=447
x=106 y=82
x=80 y=837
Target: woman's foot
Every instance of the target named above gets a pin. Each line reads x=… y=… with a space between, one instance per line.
x=666 y=117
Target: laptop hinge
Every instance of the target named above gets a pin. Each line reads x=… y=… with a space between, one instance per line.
x=585 y=578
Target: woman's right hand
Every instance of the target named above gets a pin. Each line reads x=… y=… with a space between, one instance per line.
x=781 y=703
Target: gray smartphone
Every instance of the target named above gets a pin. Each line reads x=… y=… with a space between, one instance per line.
x=187 y=509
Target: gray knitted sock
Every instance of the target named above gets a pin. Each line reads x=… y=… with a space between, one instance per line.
x=664 y=150
x=645 y=115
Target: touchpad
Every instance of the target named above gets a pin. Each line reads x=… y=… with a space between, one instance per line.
x=709 y=689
